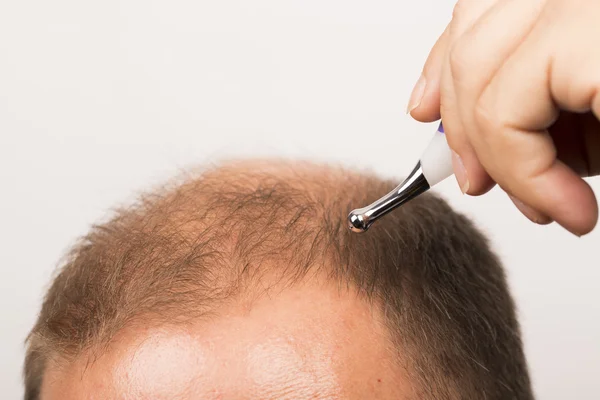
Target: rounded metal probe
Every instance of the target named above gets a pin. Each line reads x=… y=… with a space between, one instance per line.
x=358 y=222
x=361 y=219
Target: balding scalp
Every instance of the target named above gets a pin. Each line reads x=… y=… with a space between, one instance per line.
x=180 y=252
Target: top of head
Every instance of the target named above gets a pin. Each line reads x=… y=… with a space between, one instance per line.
x=186 y=254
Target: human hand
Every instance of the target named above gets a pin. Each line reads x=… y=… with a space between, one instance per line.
x=517 y=84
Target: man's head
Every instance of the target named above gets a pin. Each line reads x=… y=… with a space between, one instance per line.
x=244 y=282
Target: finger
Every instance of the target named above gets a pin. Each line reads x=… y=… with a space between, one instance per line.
x=513 y=143
x=467 y=167
x=424 y=104
x=532 y=214
x=475 y=57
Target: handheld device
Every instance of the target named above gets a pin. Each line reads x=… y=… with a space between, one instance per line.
x=434 y=166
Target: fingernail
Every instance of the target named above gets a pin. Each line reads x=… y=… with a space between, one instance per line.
x=525 y=209
x=460 y=172
x=531 y=213
x=417 y=95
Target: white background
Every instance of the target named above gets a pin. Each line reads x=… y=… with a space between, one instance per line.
x=99 y=99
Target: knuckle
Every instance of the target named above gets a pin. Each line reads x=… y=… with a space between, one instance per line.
x=459 y=9
x=466 y=10
x=570 y=83
x=459 y=61
x=485 y=117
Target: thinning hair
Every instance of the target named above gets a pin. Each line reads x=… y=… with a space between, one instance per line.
x=180 y=251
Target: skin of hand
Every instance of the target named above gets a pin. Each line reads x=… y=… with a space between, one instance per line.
x=517 y=84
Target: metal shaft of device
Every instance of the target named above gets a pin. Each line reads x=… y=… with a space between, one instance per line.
x=361 y=219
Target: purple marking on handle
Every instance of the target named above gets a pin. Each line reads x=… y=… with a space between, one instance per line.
x=441 y=128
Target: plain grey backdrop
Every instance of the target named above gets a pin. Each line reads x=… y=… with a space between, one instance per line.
x=101 y=99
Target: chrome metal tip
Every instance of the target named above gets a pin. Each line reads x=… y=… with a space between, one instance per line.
x=358 y=222
x=361 y=219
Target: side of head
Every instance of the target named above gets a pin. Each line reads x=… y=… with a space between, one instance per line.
x=244 y=282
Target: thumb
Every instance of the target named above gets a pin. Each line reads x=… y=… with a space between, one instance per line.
x=424 y=103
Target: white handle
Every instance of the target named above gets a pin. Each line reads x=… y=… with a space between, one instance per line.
x=436 y=161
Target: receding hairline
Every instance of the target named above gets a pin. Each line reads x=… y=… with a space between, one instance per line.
x=196 y=201
x=241 y=215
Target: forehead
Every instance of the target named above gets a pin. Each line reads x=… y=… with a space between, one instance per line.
x=305 y=343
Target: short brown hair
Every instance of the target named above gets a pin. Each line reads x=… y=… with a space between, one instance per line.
x=181 y=250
